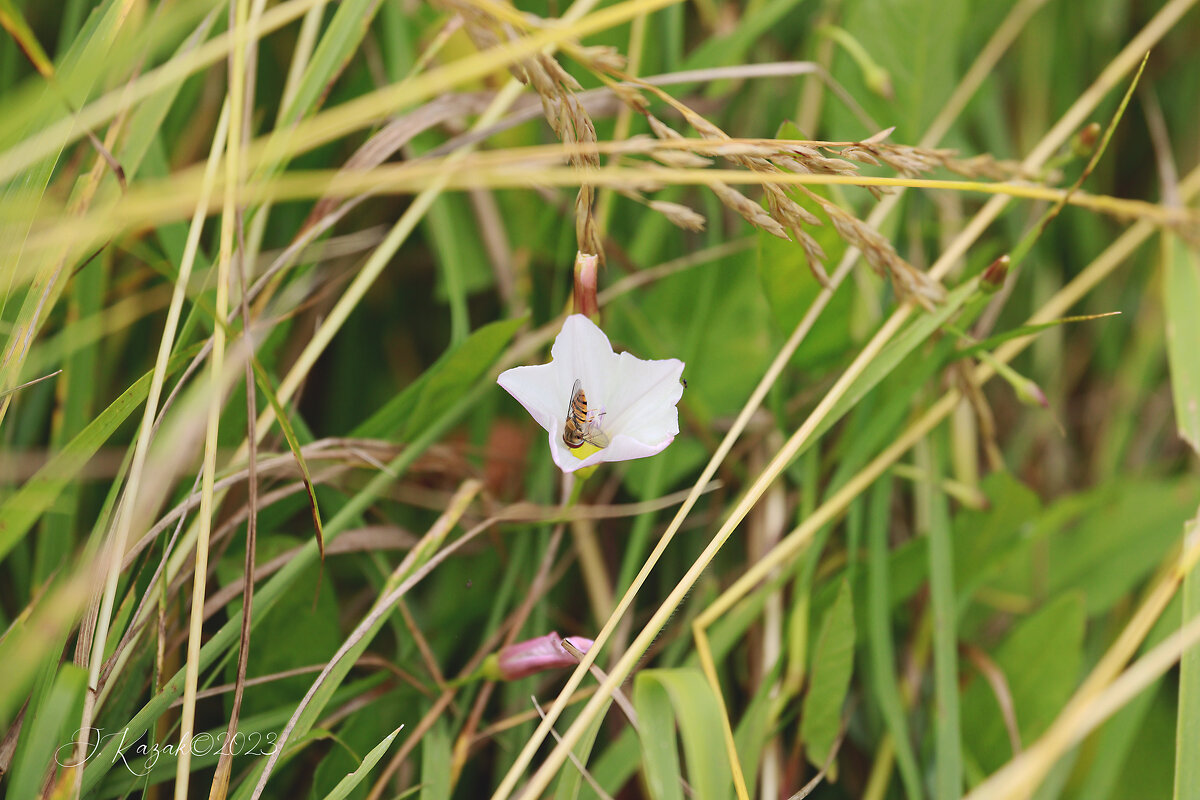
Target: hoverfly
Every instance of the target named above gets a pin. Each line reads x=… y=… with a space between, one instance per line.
x=582 y=425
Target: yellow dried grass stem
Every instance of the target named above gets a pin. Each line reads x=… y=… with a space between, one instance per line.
x=229 y=222
x=171 y=200
x=116 y=548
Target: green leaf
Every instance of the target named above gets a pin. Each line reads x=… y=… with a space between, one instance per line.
x=347 y=784
x=832 y=666
x=22 y=509
x=757 y=725
x=570 y=779
x=905 y=342
x=1122 y=539
x=1040 y=660
x=435 y=762
x=1181 y=298
x=422 y=401
x=732 y=47
x=14 y=23
x=289 y=433
x=984 y=538
x=343 y=36
x=915 y=42
x=47 y=730
x=663 y=697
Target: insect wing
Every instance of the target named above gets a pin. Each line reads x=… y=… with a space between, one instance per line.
x=576 y=417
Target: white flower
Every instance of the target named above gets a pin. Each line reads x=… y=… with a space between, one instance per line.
x=631 y=402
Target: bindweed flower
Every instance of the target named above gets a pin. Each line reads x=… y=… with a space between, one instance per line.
x=532 y=656
x=597 y=405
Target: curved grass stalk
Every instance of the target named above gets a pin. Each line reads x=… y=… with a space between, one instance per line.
x=1123 y=63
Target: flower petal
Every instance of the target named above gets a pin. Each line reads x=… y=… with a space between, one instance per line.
x=645 y=408
x=582 y=352
x=635 y=399
x=536 y=388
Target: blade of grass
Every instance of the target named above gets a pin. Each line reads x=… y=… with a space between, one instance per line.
x=882 y=651
x=948 y=737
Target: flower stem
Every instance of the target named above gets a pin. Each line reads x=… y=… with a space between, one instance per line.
x=587 y=546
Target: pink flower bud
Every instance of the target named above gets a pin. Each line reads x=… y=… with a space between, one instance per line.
x=537 y=655
x=586 y=269
x=994 y=275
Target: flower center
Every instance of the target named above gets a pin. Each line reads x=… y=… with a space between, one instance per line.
x=584 y=450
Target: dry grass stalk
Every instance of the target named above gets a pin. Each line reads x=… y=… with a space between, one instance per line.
x=556 y=89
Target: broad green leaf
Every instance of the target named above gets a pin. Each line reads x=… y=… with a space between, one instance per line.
x=443 y=382
x=1121 y=540
x=435 y=762
x=832 y=666
x=302 y=629
x=664 y=697
x=657 y=736
x=916 y=42
x=1181 y=299
x=462 y=368
x=22 y=509
x=348 y=783
x=1040 y=660
x=1118 y=736
x=984 y=538
x=1147 y=770
x=617 y=763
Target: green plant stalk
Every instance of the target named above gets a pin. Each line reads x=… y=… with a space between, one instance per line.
x=879 y=639
x=948 y=737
